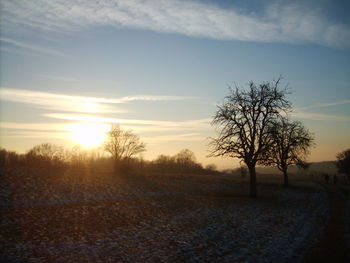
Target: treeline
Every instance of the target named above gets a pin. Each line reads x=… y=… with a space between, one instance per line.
x=51 y=159
x=183 y=162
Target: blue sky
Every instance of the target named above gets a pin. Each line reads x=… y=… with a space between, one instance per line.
x=160 y=67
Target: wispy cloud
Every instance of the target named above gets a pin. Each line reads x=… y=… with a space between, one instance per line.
x=73 y=103
x=16 y=51
x=35 y=134
x=42 y=126
x=190 y=137
x=156 y=98
x=301 y=113
x=47 y=130
x=65 y=133
x=319 y=116
x=31 y=47
x=324 y=104
x=59 y=78
x=135 y=124
x=280 y=21
x=61 y=102
x=35 y=130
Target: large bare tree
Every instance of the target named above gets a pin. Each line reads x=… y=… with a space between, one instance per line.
x=291 y=145
x=123 y=145
x=242 y=122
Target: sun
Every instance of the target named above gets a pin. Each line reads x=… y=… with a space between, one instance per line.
x=89 y=134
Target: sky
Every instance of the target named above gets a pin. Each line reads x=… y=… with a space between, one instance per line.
x=72 y=68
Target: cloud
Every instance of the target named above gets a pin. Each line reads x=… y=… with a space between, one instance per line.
x=50 y=131
x=59 y=78
x=30 y=47
x=72 y=103
x=324 y=104
x=135 y=124
x=175 y=137
x=61 y=102
x=307 y=24
x=34 y=126
x=35 y=134
x=319 y=117
x=34 y=130
x=16 y=51
x=77 y=110
x=64 y=130
x=280 y=21
x=300 y=113
x=155 y=98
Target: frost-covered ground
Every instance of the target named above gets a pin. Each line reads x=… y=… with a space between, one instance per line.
x=156 y=219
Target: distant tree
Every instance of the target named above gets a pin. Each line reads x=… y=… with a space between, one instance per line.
x=48 y=151
x=186 y=161
x=243 y=121
x=291 y=143
x=211 y=167
x=46 y=158
x=164 y=163
x=78 y=159
x=185 y=156
x=123 y=145
x=343 y=162
x=9 y=162
x=3 y=161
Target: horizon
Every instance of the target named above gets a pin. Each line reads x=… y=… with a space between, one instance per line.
x=160 y=69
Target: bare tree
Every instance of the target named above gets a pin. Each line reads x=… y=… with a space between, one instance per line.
x=242 y=121
x=78 y=159
x=291 y=144
x=48 y=151
x=10 y=162
x=186 y=161
x=164 y=163
x=47 y=158
x=123 y=145
x=211 y=167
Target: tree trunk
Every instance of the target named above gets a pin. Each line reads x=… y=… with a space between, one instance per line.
x=285 y=178
x=252 y=175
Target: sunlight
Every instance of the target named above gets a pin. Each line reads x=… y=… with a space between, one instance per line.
x=89 y=134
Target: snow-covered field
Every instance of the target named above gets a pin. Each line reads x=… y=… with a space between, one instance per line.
x=156 y=219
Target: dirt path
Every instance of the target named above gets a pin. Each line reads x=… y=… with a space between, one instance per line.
x=332 y=246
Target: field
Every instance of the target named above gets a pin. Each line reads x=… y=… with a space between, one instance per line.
x=158 y=218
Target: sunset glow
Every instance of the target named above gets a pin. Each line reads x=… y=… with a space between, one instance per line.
x=88 y=134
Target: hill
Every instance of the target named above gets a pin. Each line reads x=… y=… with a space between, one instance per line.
x=316 y=167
